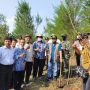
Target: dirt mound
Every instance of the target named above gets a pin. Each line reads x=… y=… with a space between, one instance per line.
x=74 y=84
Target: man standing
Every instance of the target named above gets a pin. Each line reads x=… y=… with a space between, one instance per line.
x=39 y=56
x=29 y=62
x=20 y=56
x=66 y=51
x=54 y=58
x=6 y=64
x=13 y=45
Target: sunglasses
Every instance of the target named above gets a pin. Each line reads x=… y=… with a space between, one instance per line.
x=53 y=38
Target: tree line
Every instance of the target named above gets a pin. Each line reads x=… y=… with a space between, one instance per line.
x=70 y=17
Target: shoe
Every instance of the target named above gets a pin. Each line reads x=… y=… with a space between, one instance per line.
x=28 y=84
x=23 y=85
x=40 y=78
x=55 y=78
x=48 y=78
x=34 y=79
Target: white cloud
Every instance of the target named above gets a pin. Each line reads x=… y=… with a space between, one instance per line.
x=11 y=23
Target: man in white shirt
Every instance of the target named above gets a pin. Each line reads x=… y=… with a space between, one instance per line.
x=6 y=64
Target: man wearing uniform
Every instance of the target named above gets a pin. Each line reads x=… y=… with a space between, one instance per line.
x=65 y=52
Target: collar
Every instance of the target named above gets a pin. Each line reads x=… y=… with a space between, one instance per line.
x=7 y=47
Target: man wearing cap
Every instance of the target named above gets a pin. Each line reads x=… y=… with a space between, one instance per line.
x=50 y=41
x=29 y=62
x=39 y=56
x=54 y=58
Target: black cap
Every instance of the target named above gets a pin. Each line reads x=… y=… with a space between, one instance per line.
x=85 y=35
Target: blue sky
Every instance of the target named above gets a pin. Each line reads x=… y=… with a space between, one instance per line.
x=43 y=7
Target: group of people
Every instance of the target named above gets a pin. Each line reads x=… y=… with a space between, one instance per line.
x=20 y=58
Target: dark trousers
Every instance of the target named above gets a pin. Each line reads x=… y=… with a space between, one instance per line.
x=78 y=59
x=11 y=83
x=85 y=84
x=28 y=70
x=18 y=79
x=88 y=84
x=38 y=67
x=5 y=76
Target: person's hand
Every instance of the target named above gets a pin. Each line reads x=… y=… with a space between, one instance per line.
x=26 y=47
x=22 y=55
x=37 y=49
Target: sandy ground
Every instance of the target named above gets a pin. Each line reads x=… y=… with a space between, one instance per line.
x=73 y=83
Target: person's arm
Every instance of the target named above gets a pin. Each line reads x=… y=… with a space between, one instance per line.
x=16 y=56
x=26 y=55
x=34 y=47
x=47 y=51
x=77 y=50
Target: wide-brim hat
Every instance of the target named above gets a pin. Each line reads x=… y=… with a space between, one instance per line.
x=39 y=35
x=27 y=36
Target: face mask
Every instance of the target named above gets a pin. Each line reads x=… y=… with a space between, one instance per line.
x=39 y=39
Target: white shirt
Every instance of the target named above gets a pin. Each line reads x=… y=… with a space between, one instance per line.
x=6 y=55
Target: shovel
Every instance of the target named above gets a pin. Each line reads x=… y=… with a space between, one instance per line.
x=61 y=82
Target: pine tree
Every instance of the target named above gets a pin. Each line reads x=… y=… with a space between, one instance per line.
x=3 y=28
x=24 y=21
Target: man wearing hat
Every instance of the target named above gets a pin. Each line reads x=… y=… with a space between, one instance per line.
x=50 y=41
x=29 y=62
x=39 y=56
x=54 y=58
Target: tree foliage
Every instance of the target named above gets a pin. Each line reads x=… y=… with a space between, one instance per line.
x=24 y=21
x=3 y=28
x=68 y=18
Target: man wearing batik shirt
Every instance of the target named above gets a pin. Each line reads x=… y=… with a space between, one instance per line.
x=39 y=56
x=20 y=56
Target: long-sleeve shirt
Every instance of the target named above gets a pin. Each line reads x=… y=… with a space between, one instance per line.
x=6 y=55
x=41 y=52
x=29 y=53
x=19 y=64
